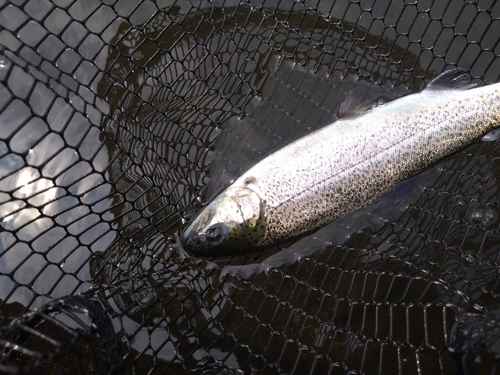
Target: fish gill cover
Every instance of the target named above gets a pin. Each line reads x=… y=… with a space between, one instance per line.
x=120 y=119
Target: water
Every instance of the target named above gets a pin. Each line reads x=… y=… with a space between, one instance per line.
x=109 y=148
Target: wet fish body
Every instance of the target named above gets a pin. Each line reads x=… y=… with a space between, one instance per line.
x=343 y=166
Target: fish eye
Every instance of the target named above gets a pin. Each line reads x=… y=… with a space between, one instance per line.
x=212 y=232
x=215 y=232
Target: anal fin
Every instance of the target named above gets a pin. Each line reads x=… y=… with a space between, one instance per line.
x=454 y=79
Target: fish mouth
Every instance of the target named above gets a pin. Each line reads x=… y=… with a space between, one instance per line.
x=192 y=239
x=192 y=242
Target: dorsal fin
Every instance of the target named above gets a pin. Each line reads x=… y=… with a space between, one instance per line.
x=454 y=79
x=353 y=105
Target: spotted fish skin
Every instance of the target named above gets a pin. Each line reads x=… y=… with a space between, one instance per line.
x=343 y=166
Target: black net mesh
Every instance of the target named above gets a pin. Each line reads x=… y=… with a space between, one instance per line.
x=120 y=119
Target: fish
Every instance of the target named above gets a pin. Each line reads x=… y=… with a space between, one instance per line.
x=343 y=166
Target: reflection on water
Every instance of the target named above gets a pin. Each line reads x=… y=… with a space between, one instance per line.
x=47 y=178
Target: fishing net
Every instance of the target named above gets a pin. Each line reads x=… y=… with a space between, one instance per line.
x=120 y=119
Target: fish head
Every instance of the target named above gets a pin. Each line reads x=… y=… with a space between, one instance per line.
x=233 y=223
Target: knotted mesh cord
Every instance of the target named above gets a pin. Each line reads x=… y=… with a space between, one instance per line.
x=119 y=119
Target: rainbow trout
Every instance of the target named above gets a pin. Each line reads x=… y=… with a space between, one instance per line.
x=343 y=166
